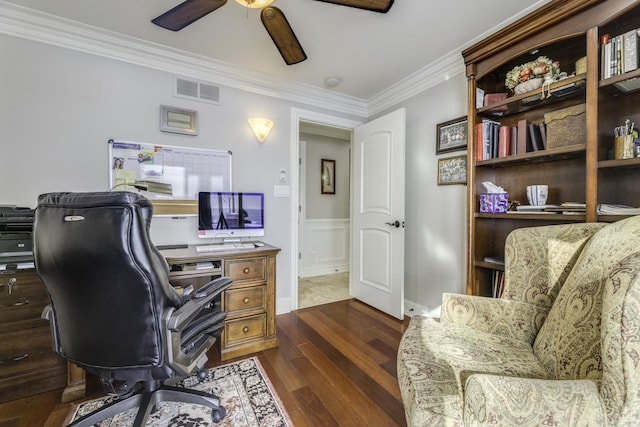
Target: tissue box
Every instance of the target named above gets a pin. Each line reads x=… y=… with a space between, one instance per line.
x=494 y=202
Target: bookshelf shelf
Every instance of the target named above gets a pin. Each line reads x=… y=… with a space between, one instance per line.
x=561 y=153
x=571 y=32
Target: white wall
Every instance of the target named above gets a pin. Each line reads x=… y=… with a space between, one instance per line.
x=324 y=206
x=60 y=107
x=435 y=234
x=326 y=224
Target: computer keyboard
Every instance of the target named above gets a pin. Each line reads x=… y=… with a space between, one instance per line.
x=224 y=247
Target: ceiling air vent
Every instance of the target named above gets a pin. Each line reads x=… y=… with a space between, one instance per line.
x=197 y=91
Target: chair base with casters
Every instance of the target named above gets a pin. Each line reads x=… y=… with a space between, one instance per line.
x=146 y=400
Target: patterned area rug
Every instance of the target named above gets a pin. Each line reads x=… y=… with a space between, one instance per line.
x=244 y=390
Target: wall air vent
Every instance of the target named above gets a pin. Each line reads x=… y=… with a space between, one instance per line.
x=197 y=91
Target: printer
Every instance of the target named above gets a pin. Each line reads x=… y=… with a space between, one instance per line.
x=16 y=237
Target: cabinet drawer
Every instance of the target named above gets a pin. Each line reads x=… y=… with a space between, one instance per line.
x=246 y=269
x=245 y=329
x=26 y=301
x=26 y=351
x=243 y=299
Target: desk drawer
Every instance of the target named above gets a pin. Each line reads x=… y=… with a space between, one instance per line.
x=245 y=329
x=239 y=300
x=28 y=365
x=248 y=269
x=26 y=300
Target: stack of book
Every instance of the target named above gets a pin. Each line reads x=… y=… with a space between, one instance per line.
x=619 y=53
x=568 y=208
x=607 y=209
x=495 y=140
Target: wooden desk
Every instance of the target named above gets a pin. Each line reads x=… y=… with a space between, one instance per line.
x=250 y=303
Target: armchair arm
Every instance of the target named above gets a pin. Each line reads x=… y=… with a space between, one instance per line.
x=515 y=319
x=498 y=400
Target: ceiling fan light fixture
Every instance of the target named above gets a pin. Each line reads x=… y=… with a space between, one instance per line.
x=255 y=4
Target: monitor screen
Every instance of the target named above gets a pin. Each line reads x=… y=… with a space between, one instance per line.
x=229 y=215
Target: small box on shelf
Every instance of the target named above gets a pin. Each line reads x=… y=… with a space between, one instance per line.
x=494 y=202
x=566 y=126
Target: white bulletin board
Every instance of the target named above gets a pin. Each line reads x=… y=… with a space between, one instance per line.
x=188 y=170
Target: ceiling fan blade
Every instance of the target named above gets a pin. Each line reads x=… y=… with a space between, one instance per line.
x=381 y=6
x=186 y=13
x=282 y=35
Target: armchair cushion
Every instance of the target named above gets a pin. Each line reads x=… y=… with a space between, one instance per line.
x=435 y=360
x=515 y=319
x=539 y=259
x=568 y=343
x=526 y=402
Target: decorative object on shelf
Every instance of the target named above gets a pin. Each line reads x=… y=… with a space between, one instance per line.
x=328 y=176
x=529 y=76
x=261 y=127
x=451 y=135
x=495 y=200
x=537 y=194
x=567 y=126
x=452 y=170
x=178 y=120
x=492 y=98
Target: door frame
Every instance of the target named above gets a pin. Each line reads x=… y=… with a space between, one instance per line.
x=298 y=115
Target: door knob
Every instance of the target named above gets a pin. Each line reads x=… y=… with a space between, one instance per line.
x=395 y=224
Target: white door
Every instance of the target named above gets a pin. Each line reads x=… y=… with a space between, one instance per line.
x=377 y=212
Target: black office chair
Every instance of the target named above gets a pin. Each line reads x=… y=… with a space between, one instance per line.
x=113 y=311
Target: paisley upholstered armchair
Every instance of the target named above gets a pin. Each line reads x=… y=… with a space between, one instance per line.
x=561 y=347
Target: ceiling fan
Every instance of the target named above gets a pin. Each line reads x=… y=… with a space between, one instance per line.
x=272 y=18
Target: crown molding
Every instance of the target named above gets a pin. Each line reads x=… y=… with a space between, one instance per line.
x=22 y=22
x=33 y=25
x=431 y=75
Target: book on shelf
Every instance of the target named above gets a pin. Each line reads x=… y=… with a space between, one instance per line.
x=495 y=259
x=504 y=141
x=497 y=286
x=611 y=209
x=536 y=137
x=619 y=54
x=524 y=140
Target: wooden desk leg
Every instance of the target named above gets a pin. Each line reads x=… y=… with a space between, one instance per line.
x=75 y=388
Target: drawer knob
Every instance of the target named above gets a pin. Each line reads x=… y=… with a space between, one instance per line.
x=246 y=300
x=246 y=270
x=245 y=329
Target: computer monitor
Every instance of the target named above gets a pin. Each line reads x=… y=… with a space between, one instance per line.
x=230 y=215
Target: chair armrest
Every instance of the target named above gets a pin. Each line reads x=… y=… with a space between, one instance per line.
x=498 y=400
x=515 y=319
x=49 y=314
x=181 y=317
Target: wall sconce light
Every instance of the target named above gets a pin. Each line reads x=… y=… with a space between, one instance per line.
x=261 y=127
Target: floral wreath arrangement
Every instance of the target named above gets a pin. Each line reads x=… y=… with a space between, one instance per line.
x=541 y=67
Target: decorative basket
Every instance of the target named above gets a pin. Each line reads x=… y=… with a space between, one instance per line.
x=528 y=86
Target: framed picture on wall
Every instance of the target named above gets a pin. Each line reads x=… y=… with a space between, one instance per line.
x=451 y=135
x=328 y=176
x=452 y=170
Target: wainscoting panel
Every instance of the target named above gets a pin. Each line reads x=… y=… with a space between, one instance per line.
x=325 y=247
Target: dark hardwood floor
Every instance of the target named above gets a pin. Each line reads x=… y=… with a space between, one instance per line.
x=335 y=366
